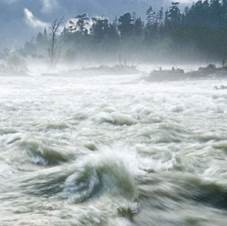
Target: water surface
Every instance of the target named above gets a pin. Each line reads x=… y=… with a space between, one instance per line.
x=112 y=151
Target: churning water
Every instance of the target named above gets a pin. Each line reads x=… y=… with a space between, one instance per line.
x=112 y=151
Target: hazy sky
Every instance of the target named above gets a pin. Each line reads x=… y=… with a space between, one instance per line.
x=20 y=19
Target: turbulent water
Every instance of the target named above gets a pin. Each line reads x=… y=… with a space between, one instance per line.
x=112 y=151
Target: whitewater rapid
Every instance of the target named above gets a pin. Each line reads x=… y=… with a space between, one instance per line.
x=112 y=151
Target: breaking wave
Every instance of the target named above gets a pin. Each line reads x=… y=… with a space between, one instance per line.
x=41 y=154
x=97 y=176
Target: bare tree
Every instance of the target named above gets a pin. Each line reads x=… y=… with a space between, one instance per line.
x=54 y=29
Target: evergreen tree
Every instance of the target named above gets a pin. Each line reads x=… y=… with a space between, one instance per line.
x=173 y=16
x=138 y=27
x=126 y=25
x=100 y=28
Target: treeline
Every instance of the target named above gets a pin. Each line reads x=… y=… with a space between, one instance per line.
x=197 y=31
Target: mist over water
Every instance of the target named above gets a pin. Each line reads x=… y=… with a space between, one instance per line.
x=111 y=151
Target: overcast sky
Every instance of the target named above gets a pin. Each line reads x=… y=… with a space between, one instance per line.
x=20 y=19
